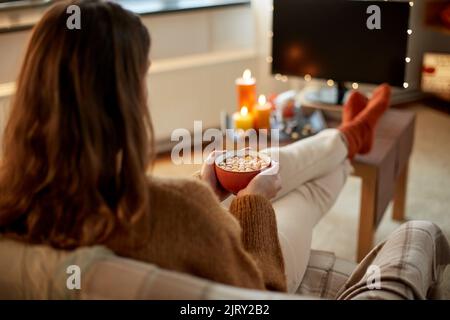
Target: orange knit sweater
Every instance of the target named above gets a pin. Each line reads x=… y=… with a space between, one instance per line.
x=188 y=230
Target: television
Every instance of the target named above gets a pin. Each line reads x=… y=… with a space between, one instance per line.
x=333 y=40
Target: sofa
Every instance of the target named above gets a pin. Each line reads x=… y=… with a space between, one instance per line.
x=40 y=272
x=414 y=263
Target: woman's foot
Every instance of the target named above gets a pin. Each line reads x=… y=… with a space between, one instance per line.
x=355 y=104
x=360 y=130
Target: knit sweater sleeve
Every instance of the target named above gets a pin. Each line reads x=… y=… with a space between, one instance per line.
x=244 y=249
x=189 y=230
x=260 y=237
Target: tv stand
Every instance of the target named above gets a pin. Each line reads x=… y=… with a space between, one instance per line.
x=327 y=95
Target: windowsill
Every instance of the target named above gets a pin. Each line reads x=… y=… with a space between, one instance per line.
x=137 y=6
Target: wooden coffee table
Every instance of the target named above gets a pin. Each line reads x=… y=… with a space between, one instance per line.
x=384 y=171
x=384 y=174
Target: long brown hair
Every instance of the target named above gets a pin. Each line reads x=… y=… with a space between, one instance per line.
x=79 y=138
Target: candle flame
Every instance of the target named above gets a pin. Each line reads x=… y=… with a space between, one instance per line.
x=262 y=100
x=244 y=111
x=247 y=75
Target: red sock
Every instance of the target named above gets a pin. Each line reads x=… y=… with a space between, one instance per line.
x=355 y=104
x=359 y=132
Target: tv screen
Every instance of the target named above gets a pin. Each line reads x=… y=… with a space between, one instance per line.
x=331 y=40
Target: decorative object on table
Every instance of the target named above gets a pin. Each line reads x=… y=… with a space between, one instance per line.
x=287 y=117
x=262 y=113
x=436 y=75
x=246 y=91
x=301 y=126
x=243 y=119
x=235 y=169
x=251 y=114
x=282 y=112
x=286 y=106
x=292 y=122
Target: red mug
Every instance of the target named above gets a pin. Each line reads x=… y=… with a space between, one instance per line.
x=234 y=181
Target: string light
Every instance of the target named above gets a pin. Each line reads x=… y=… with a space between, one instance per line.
x=269 y=59
x=409 y=31
x=270 y=34
x=411 y=4
x=408 y=59
x=330 y=83
x=278 y=76
x=284 y=78
x=307 y=77
x=355 y=85
x=405 y=85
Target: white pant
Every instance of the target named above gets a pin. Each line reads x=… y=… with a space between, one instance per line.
x=313 y=172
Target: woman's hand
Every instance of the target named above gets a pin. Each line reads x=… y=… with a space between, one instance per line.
x=266 y=184
x=208 y=174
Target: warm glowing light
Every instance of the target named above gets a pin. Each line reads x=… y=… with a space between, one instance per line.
x=262 y=100
x=244 y=111
x=411 y=4
x=269 y=59
x=355 y=85
x=294 y=52
x=278 y=76
x=405 y=85
x=284 y=78
x=247 y=75
x=408 y=59
x=330 y=82
x=270 y=34
x=409 y=31
x=307 y=77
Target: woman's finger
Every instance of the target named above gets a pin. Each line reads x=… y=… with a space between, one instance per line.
x=273 y=169
x=213 y=155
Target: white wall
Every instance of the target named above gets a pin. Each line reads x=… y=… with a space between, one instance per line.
x=12 y=48
x=196 y=57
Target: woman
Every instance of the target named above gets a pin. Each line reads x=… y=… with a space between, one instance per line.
x=79 y=142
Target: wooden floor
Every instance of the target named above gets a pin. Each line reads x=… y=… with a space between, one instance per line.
x=164 y=167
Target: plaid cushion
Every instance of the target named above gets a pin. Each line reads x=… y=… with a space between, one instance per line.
x=410 y=264
x=325 y=275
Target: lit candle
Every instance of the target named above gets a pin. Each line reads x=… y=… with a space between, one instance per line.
x=246 y=90
x=262 y=113
x=243 y=119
